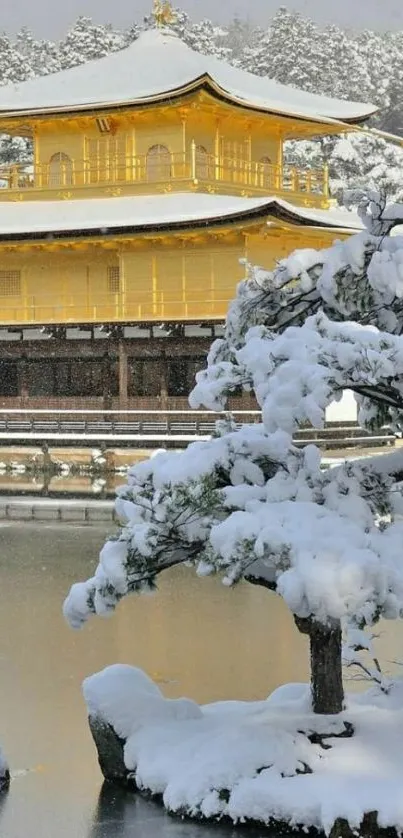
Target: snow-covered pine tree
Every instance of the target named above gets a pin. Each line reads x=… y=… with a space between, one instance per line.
x=391 y=103
x=209 y=39
x=40 y=57
x=249 y=504
x=242 y=37
x=364 y=160
x=15 y=66
x=377 y=59
x=15 y=150
x=340 y=71
x=86 y=41
x=286 y=51
x=355 y=161
x=131 y=34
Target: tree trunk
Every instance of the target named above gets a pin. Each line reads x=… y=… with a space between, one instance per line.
x=326 y=669
x=326 y=666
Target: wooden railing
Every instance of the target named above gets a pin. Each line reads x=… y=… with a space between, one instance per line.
x=165 y=169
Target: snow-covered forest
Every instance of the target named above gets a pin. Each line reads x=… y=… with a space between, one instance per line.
x=364 y=66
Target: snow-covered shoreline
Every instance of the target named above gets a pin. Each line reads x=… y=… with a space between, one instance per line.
x=261 y=761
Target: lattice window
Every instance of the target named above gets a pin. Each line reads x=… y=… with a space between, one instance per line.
x=114 y=280
x=158 y=163
x=106 y=158
x=60 y=170
x=10 y=283
x=202 y=162
x=234 y=150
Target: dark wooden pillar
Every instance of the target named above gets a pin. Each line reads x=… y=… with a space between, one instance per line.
x=163 y=365
x=123 y=376
x=106 y=382
x=23 y=381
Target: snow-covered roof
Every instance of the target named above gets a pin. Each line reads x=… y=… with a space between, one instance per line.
x=154 y=67
x=39 y=219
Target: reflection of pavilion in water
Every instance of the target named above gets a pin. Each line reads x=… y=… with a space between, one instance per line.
x=44 y=484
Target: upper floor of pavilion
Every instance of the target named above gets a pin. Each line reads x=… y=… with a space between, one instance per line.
x=159 y=117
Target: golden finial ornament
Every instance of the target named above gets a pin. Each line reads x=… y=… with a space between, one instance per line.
x=163 y=13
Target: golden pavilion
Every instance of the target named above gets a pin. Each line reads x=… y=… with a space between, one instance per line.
x=155 y=171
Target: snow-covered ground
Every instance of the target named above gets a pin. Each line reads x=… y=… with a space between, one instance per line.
x=255 y=760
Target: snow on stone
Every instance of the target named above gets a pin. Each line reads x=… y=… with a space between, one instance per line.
x=253 y=760
x=149 y=211
x=128 y=699
x=158 y=64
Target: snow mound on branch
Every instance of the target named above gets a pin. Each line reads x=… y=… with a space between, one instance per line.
x=333 y=570
x=254 y=760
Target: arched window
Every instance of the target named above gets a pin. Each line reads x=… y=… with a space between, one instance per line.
x=158 y=163
x=60 y=170
x=266 y=171
x=202 y=162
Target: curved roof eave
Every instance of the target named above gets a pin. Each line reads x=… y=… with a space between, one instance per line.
x=273 y=208
x=204 y=81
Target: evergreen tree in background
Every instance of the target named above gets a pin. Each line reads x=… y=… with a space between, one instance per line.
x=286 y=51
x=15 y=150
x=354 y=161
x=13 y=67
x=360 y=160
x=40 y=58
x=86 y=41
x=241 y=38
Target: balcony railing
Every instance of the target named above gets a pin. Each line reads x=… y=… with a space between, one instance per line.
x=125 y=307
x=172 y=171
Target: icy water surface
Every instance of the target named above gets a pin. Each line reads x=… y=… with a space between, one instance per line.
x=194 y=637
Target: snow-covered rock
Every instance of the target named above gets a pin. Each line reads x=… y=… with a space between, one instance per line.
x=127 y=698
x=4 y=772
x=259 y=760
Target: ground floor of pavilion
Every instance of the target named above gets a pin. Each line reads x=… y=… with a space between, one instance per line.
x=154 y=372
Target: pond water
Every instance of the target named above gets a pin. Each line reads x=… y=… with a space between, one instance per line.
x=17 y=480
x=194 y=637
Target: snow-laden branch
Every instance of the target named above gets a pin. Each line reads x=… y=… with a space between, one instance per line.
x=295 y=375
x=249 y=504
x=168 y=509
